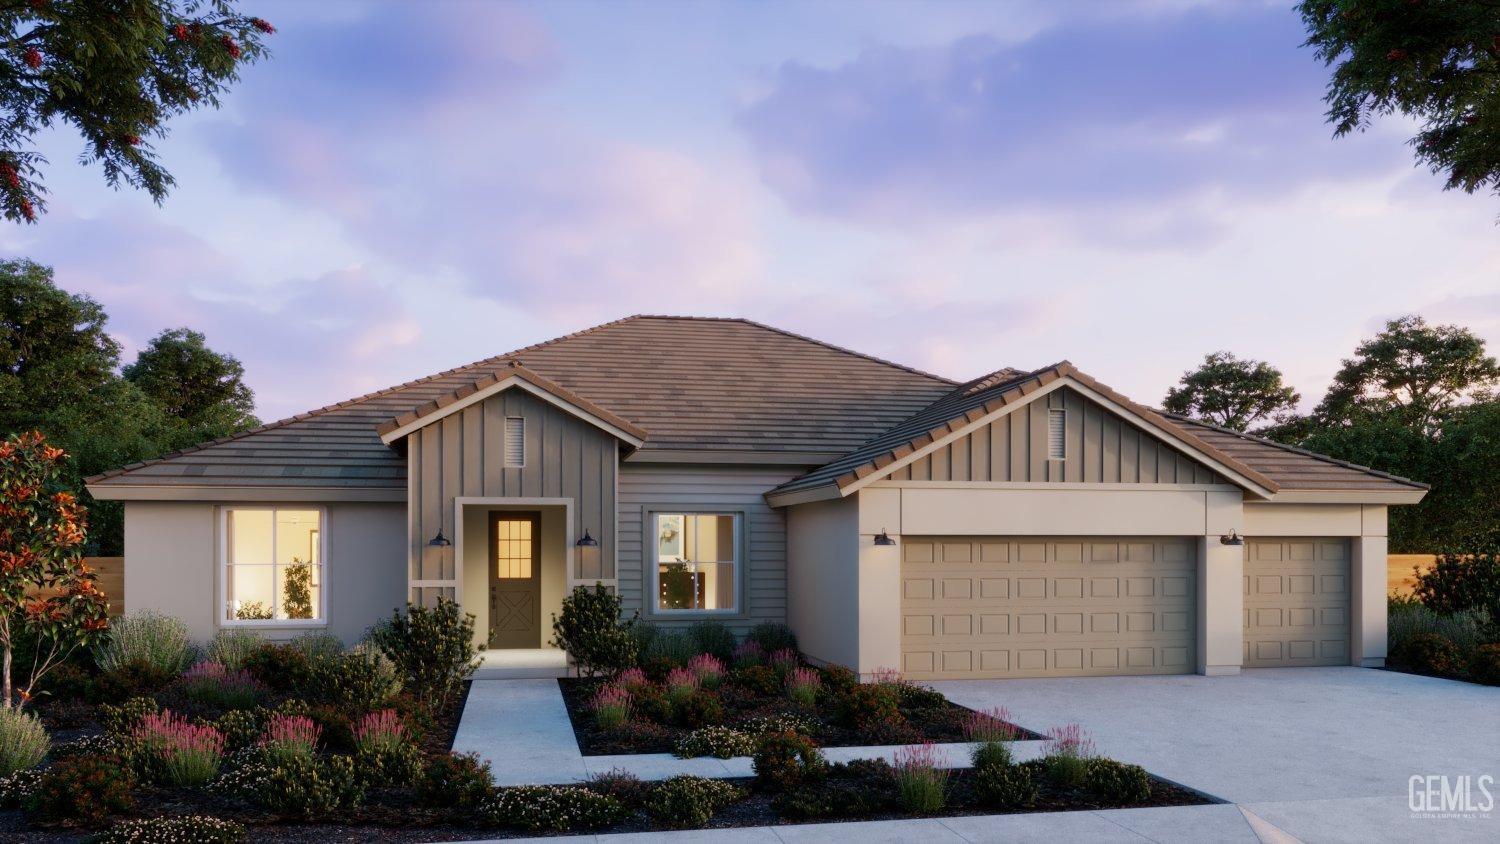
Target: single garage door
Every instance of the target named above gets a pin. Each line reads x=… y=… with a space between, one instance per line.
x=1296 y=602
x=978 y=607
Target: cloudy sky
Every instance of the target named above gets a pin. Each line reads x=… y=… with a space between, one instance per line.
x=403 y=188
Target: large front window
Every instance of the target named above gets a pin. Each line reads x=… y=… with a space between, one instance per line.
x=273 y=565
x=697 y=562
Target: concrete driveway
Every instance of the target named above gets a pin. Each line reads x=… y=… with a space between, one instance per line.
x=1322 y=754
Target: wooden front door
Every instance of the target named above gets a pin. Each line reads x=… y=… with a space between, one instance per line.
x=515 y=581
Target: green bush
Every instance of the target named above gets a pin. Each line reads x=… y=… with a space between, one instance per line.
x=361 y=680
x=146 y=638
x=1003 y=786
x=772 y=636
x=398 y=765
x=712 y=637
x=669 y=649
x=1468 y=629
x=991 y=754
x=281 y=667
x=1459 y=582
x=23 y=741
x=698 y=709
x=1484 y=666
x=591 y=631
x=317 y=644
x=232 y=648
x=457 y=780
x=84 y=790
x=786 y=760
x=719 y=742
x=830 y=799
x=620 y=784
x=18 y=789
x=242 y=727
x=552 y=808
x=1429 y=653
x=305 y=788
x=866 y=705
x=120 y=720
x=758 y=680
x=687 y=802
x=1117 y=782
x=185 y=829
x=433 y=650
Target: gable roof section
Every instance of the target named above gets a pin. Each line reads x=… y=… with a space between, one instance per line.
x=702 y=388
x=975 y=403
x=512 y=375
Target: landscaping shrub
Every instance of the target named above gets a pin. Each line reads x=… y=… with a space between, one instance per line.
x=699 y=709
x=920 y=783
x=433 y=650
x=384 y=754
x=591 y=631
x=1468 y=629
x=837 y=679
x=457 y=780
x=989 y=725
x=1484 y=666
x=638 y=735
x=687 y=802
x=212 y=684
x=241 y=728
x=99 y=743
x=772 y=636
x=18 y=789
x=758 y=679
x=786 y=760
x=1429 y=653
x=866 y=705
x=783 y=722
x=1003 y=786
x=611 y=706
x=289 y=738
x=1069 y=749
x=709 y=670
x=680 y=683
x=68 y=681
x=84 y=790
x=552 y=808
x=1117 y=782
x=802 y=686
x=911 y=695
x=621 y=785
x=1459 y=582
x=357 y=681
x=280 y=667
x=232 y=648
x=304 y=787
x=829 y=799
x=146 y=638
x=23 y=741
x=650 y=702
x=712 y=638
x=121 y=720
x=242 y=775
x=991 y=754
x=719 y=742
x=783 y=661
x=633 y=679
x=317 y=644
x=185 y=829
x=177 y=751
x=668 y=649
x=748 y=653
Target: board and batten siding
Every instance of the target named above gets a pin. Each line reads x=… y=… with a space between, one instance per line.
x=1100 y=447
x=660 y=488
x=463 y=454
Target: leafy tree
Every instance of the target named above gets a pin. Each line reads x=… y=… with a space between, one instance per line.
x=1413 y=369
x=297 y=590
x=47 y=597
x=1436 y=62
x=1232 y=393
x=117 y=71
x=203 y=389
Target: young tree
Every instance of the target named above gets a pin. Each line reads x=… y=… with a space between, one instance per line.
x=1411 y=369
x=117 y=71
x=205 y=390
x=1436 y=62
x=48 y=602
x=1232 y=393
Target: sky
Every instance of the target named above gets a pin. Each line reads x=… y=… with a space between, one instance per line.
x=407 y=187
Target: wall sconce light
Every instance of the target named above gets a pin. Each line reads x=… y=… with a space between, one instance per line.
x=587 y=541
x=1232 y=538
x=439 y=541
x=884 y=538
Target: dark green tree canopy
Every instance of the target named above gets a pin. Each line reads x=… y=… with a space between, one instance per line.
x=1232 y=392
x=53 y=348
x=203 y=389
x=1414 y=370
x=1437 y=61
x=117 y=71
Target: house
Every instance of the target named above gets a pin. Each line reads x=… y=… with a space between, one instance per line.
x=1025 y=523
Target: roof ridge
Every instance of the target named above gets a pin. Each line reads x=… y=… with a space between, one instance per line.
x=1244 y=435
x=827 y=345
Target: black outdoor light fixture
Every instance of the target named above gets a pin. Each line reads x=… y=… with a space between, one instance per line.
x=884 y=538
x=587 y=541
x=439 y=541
x=1232 y=538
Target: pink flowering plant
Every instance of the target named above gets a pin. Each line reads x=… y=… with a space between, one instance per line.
x=920 y=778
x=802 y=686
x=748 y=653
x=681 y=683
x=633 y=679
x=611 y=706
x=290 y=737
x=886 y=676
x=211 y=683
x=989 y=725
x=380 y=732
x=783 y=661
x=709 y=670
x=179 y=751
x=1069 y=749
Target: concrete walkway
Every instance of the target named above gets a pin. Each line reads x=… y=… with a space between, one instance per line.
x=521 y=728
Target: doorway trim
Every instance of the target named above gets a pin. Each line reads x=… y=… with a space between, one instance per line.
x=460 y=502
x=533 y=586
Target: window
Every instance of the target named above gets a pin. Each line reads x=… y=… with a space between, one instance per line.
x=515 y=442
x=697 y=560
x=1056 y=426
x=272 y=565
x=513 y=549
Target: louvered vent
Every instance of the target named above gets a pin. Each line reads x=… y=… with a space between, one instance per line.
x=1056 y=425
x=515 y=442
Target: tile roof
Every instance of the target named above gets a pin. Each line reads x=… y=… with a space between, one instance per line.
x=1291 y=467
x=694 y=384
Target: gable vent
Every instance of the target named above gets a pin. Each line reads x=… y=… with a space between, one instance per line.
x=515 y=442
x=1056 y=426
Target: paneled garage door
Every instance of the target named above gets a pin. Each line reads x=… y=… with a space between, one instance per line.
x=1296 y=602
x=975 y=607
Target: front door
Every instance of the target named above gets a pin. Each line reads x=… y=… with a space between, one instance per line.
x=515 y=581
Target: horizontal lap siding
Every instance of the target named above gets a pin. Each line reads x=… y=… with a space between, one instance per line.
x=1100 y=446
x=658 y=487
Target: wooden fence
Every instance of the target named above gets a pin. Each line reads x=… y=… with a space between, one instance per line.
x=109 y=576
x=1398 y=571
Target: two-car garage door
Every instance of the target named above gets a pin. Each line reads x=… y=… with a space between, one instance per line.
x=975 y=607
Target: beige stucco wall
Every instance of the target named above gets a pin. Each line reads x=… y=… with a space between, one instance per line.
x=172 y=565
x=1053 y=510
x=823 y=603
x=474 y=542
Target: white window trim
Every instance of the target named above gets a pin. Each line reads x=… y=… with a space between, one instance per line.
x=653 y=597
x=222 y=567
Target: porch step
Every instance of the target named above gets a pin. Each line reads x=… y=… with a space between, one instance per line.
x=522 y=664
x=521 y=672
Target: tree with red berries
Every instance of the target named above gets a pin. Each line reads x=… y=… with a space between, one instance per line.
x=117 y=71
x=49 y=606
x=1434 y=60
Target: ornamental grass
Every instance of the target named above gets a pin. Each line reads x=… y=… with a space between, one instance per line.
x=289 y=739
x=380 y=732
x=709 y=670
x=188 y=755
x=920 y=779
x=802 y=686
x=611 y=706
